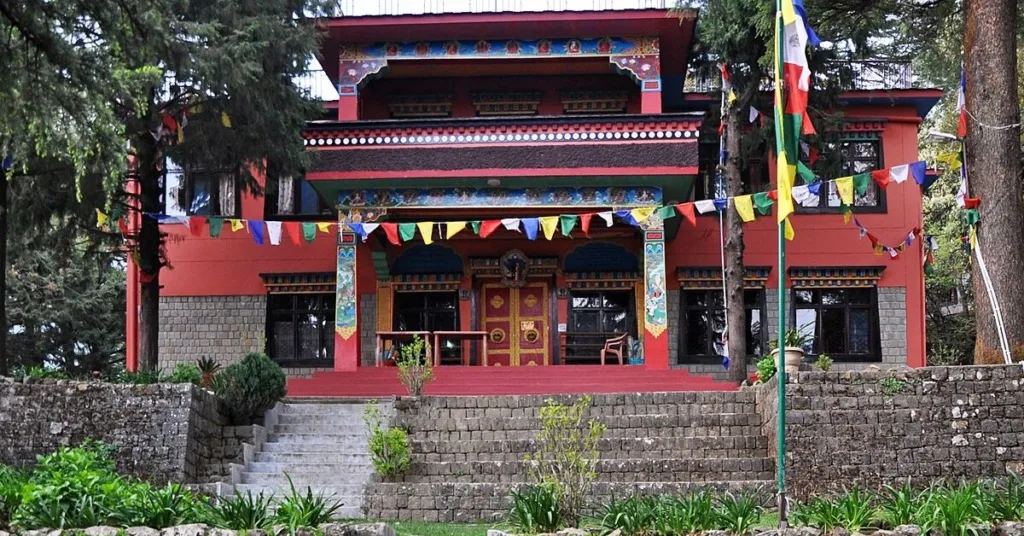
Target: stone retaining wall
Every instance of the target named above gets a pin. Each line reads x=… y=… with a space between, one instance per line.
x=163 y=432
x=860 y=428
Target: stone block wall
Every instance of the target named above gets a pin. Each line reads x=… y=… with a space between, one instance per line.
x=222 y=328
x=848 y=428
x=674 y=323
x=163 y=432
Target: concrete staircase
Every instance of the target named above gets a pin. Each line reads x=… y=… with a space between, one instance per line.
x=320 y=444
x=468 y=451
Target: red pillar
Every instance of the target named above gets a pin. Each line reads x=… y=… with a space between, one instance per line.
x=348 y=105
x=650 y=97
x=346 y=312
x=655 y=299
x=131 y=336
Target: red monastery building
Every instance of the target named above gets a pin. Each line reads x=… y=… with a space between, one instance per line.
x=508 y=172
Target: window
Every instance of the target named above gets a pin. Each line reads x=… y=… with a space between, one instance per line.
x=703 y=325
x=200 y=193
x=429 y=311
x=301 y=328
x=595 y=316
x=857 y=156
x=754 y=174
x=293 y=198
x=843 y=323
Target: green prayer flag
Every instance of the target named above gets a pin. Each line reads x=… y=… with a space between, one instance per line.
x=407 y=231
x=309 y=231
x=928 y=268
x=567 y=221
x=804 y=172
x=475 y=225
x=861 y=182
x=972 y=215
x=666 y=212
x=763 y=203
x=216 y=224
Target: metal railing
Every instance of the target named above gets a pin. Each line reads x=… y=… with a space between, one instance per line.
x=370 y=8
x=856 y=75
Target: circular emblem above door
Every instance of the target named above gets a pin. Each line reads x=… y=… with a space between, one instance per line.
x=514 y=266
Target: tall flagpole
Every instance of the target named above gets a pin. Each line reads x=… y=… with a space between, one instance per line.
x=780 y=455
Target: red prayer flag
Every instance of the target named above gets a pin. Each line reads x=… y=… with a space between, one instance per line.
x=773 y=195
x=488 y=226
x=971 y=202
x=123 y=226
x=585 y=223
x=195 y=225
x=873 y=239
x=391 y=229
x=686 y=211
x=881 y=176
x=294 y=230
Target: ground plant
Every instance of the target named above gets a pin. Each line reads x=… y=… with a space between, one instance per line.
x=766 y=369
x=566 y=456
x=243 y=512
x=535 y=509
x=186 y=373
x=414 y=370
x=300 y=509
x=389 y=447
x=891 y=385
x=824 y=362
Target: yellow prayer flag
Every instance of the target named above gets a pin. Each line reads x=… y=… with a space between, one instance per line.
x=426 y=231
x=744 y=207
x=549 y=223
x=845 y=188
x=181 y=133
x=225 y=120
x=732 y=96
x=847 y=214
x=236 y=225
x=324 y=226
x=641 y=214
x=788 y=12
x=790 y=233
x=101 y=218
x=453 y=228
x=786 y=175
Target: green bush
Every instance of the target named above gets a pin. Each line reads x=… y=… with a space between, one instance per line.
x=535 y=509
x=250 y=387
x=414 y=370
x=243 y=512
x=143 y=505
x=389 y=446
x=185 y=373
x=692 y=514
x=11 y=482
x=147 y=377
x=765 y=369
x=303 y=510
x=634 y=516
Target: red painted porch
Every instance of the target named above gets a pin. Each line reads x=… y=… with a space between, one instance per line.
x=478 y=381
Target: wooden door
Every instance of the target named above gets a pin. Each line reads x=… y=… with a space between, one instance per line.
x=517 y=323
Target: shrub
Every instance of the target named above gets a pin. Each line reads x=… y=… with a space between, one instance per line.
x=900 y=505
x=142 y=505
x=414 y=370
x=821 y=513
x=738 y=513
x=891 y=385
x=147 y=377
x=250 y=387
x=1007 y=500
x=566 y=456
x=243 y=512
x=957 y=509
x=635 y=516
x=11 y=481
x=855 y=510
x=389 y=446
x=301 y=510
x=208 y=368
x=765 y=369
x=185 y=373
x=535 y=509
x=692 y=514
x=824 y=362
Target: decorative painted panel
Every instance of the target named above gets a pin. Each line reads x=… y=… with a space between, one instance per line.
x=693 y=277
x=655 y=302
x=501 y=48
x=854 y=276
x=345 y=293
x=497 y=197
x=644 y=69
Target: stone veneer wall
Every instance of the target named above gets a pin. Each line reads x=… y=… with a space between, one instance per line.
x=163 y=432
x=844 y=428
x=222 y=328
x=367 y=329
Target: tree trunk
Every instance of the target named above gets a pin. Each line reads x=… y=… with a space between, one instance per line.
x=734 y=251
x=149 y=244
x=993 y=164
x=4 y=358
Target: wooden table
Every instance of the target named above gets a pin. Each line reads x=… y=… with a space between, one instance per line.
x=397 y=336
x=460 y=336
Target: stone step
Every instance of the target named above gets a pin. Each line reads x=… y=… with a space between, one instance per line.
x=324 y=428
x=326 y=418
x=312 y=466
x=614 y=470
x=341 y=484
x=327 y=456
x=328 y=408
x=311 y=446
x=468 y=502
x=682 y=447
x=339 y=438
x=706 y=420
x=664 y=401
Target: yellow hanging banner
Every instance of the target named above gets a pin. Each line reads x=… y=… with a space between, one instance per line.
x=845 y=188
x=426 y=231
x=744 y=207
x=101 y=218
x=324 y=226
x=549 y=223
x=453 y=228
x=641 y=214
x=236 y=225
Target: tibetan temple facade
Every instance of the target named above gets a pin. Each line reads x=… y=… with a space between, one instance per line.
x=446 y=124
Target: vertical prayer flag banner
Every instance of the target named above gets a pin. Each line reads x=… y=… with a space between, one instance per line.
x=427 y=231
x=453 y=228
x=844 y=187
x=549 y=223
x=308 y=231
x=407 y=231
x=567 y=222
x=530 y=226
x=744 y=207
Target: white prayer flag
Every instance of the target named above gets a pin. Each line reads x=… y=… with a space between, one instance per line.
x=274 y=232
x=705 y=205
x=607 y=217
x=899 y=174
x=369 y=228
x=512 y=224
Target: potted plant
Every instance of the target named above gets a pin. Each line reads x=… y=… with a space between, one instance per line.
x=208 y=368
x=793 y=350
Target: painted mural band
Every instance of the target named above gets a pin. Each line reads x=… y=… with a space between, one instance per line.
x=611 y=196
x=596 y=46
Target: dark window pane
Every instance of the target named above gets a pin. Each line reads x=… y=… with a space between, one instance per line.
x=833 y=331
x=617 y=300
x=860 y=338
x=754 y=332
x=806 y=322
x=858 y=296
x=804 y=296
x=588 y=321
x=310 y=201
x=752 y=298
x=696 y=299
x=696 y=333
x=832 y=297
x=283 y=337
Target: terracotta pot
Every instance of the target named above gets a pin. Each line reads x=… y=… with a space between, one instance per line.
x=793 y=356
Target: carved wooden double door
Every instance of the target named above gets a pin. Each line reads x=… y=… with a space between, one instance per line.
x=517 y=321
